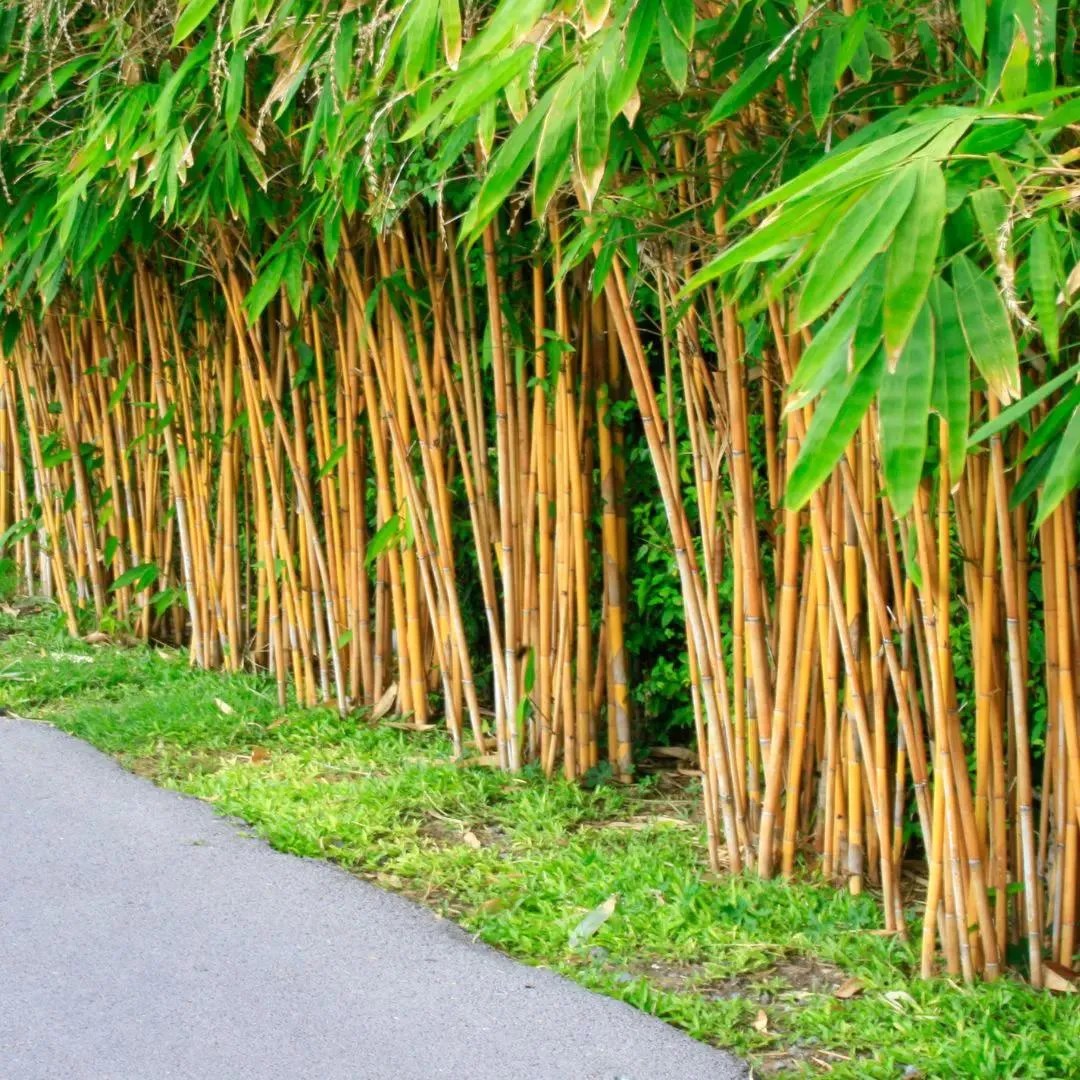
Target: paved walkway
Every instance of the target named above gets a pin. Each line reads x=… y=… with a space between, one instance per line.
x=144 y=938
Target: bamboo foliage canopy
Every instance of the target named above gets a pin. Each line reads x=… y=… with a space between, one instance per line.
x=525 y=364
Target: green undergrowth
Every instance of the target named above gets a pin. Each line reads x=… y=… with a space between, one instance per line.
x=795 y=976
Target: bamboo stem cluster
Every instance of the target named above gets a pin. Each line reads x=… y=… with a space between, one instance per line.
x=420 y=437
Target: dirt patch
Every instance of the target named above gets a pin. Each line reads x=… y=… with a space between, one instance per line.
x=446 y=832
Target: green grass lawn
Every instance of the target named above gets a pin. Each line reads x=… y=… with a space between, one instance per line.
x=749 y=965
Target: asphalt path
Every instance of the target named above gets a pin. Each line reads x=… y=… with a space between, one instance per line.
x=143 y=937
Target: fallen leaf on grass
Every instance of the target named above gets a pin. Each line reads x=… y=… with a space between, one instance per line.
x=259 y=754
x=760 y=1023
x=472 y=840
x=900 y=1000
x=224 y=707
x=848 y=989
x=593 y=921
x=97 y=638
x=275 y=724
x=1060 y=979
x=385 y=703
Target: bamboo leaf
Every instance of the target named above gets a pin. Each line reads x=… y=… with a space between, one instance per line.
x=1044 y=284
x=189 y=15
x=835 y=421
x=903 y=411
x=593 y=130
x=505 y=170
x=1063 y=475
x=1019 y=409
x=986 y=329
x=951 y=393
x=973 y=18
x=556 y=140
x=673 y=53
x=860 y=234
x=451 y=28
x=912 y=256
x=822 y=76
x=592 y=922
x=680 y=14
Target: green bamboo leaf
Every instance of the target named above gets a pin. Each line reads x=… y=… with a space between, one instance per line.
x=121 y=387
x=1063 y=475
x=673 y=53
x=903 y=411
x=828 y=352
x=1014 y=75
x=973 y=18
x=1051 y=425
x=765 y=241
x=860 y=234
x=189 y=15
x=451 y=28
x=758 y=74
x=951 y=393
x=234 y=89
x=1019 y=409
x=505 y=170
x=1044 y=285
x=835 y=421
x=637 y=36
x=986 y=329
x=593 y=130
x=821 y=85
x=266 y=286
x=991 y=213
x=912 y=257
x=420 y=24
x=680 y=14
x=556 y=140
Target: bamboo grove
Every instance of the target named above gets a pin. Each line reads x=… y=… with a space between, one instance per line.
x=423 y=355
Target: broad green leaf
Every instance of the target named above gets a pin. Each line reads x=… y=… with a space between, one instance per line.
x=860 y=234
x=903 y=411
x=189 y=15
x=951 y=393
x=1063 y=475
x=912 y=257
x=835 y=421
x=986 y=329
x=1044 y=284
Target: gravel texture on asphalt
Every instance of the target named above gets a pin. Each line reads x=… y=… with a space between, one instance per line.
x=143 y=937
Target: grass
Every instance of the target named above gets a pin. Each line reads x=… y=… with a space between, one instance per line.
x=750 y=965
